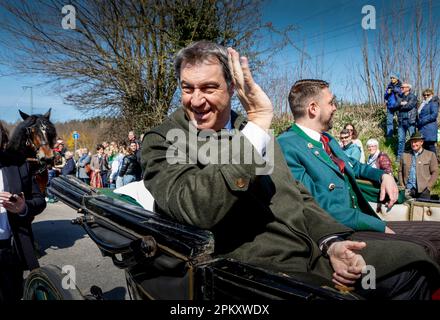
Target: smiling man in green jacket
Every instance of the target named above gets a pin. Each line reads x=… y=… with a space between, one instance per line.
x=244 y=192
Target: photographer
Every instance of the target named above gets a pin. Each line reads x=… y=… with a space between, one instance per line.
x=391 y=94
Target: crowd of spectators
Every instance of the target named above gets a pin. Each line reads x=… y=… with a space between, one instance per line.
x=111 y=165
x=417 y=133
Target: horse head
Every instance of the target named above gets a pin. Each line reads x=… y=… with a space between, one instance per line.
x=38 y=135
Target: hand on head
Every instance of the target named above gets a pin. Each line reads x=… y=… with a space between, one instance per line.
x=254 y=100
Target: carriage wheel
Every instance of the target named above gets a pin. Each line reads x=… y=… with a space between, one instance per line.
x=45 y=283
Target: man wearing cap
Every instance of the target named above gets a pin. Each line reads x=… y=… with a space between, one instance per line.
x=418 y=171
x=407 y=116
x=391 y=93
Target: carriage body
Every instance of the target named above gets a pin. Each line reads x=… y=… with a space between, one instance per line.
x=164 y=259
x=404 y=209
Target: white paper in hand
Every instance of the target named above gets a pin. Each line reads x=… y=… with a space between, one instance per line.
x=137 y=191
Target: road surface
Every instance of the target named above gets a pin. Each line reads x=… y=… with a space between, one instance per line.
x=62 y=243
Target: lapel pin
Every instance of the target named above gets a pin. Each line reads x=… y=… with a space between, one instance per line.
x=310 y=146
x=316 y=153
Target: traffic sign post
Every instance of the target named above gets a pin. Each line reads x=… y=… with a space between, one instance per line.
x=75 y=136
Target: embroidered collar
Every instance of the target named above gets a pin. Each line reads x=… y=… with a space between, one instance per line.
x=298 y=130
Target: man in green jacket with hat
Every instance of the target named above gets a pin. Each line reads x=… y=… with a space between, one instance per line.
x=207 y=166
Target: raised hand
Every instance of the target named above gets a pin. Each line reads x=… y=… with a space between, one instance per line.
x=254 y=100
x=346 y=263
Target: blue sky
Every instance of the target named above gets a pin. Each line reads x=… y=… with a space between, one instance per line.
x=333 y=30
x=329 y=27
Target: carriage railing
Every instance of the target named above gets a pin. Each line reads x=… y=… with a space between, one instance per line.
x=131 y=220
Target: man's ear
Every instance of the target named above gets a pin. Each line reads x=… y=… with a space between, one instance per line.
x=313 y=108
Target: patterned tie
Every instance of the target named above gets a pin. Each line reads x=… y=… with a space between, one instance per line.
x=336 y=160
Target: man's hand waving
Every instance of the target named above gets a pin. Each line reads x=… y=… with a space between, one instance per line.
x=254 y=100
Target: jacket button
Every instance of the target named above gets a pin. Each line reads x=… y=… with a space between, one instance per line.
x=240 y=182
x=331 y=186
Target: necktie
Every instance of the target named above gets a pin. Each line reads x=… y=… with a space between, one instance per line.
x=336 y=160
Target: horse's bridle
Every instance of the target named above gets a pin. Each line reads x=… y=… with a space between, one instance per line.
x=30 y=142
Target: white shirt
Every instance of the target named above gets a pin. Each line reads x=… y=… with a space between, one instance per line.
x=5 y=228
x=315 y=135
x=256 y=136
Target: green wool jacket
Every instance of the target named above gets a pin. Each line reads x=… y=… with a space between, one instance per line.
x=269 y=221
x=337 y=193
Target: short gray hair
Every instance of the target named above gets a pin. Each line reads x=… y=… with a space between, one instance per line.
x=200 y=51
x=372 y=142
x=407 y=85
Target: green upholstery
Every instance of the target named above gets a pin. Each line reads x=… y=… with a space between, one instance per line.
x=109 y=193
x=372 y=192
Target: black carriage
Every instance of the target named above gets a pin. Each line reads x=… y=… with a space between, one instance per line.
x=163 y=259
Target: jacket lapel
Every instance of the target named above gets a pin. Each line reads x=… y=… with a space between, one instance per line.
x=13 y=179
x=316 y=149
x=324 y=158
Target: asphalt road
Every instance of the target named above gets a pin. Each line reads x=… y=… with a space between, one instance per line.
x=62 y=244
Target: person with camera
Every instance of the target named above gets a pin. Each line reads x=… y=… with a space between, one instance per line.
x=20 y=200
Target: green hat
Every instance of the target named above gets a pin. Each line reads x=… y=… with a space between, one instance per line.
x=417 y=136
